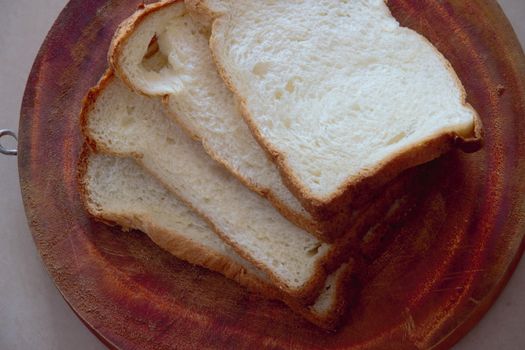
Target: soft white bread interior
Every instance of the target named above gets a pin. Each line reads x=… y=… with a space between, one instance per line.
x=119 y=191
x=117 y=121
x=163 y=51
x=338 y=93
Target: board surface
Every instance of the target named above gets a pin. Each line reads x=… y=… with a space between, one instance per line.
x=446 y=265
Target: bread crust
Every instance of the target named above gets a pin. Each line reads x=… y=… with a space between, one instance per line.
x=199 y=255
x=354 y=191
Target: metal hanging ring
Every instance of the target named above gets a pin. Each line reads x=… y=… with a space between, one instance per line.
x=3 y=150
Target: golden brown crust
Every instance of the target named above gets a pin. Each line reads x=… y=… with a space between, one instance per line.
x=196 y=254
x=87 y=105
x=354 y=192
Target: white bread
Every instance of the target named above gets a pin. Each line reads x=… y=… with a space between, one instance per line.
x=119 y=122
x=181 y=67
x=118 y=191
x=340 y=96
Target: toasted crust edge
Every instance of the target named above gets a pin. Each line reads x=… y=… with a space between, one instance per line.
x=200 y=256
x=353 y=192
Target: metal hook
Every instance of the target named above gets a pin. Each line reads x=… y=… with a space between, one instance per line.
x=8 y=152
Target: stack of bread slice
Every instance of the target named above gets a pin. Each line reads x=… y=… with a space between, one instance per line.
x=264 y=139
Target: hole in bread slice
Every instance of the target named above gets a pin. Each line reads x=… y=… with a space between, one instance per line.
x=154 y=59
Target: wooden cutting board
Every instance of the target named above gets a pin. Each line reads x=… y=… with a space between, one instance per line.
x=440 y=273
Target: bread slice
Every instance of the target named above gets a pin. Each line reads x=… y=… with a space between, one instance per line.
x=340 y=96
x=181 y=67
x=118 y=191
x=119 y=122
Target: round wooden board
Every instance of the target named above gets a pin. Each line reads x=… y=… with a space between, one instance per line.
x=440 y=273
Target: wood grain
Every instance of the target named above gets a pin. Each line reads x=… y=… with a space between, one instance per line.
x=439 y=274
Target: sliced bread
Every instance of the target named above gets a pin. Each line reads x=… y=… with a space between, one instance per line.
x=119 y=122
x=340 y=96
x=118 y=191
x=160 y=51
